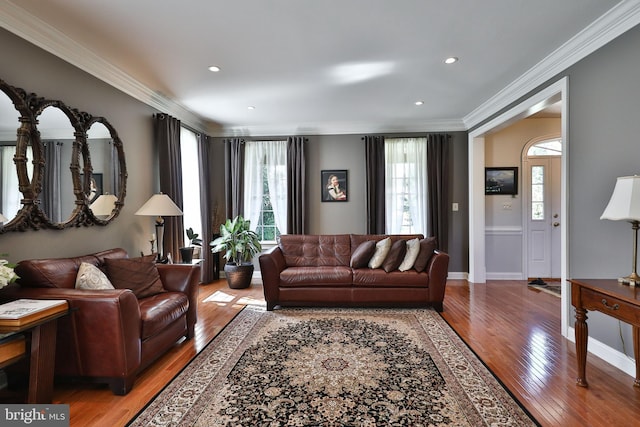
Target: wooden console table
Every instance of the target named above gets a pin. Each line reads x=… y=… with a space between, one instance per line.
x=610 y=297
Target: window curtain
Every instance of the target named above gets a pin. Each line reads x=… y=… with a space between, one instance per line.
x=234 y=176
x=375 y=184
x=268 y=157
x=167 y=137
x=205 y=160
x=296 y=186
x=438 y=169
x=50 y=198
x=406 y=184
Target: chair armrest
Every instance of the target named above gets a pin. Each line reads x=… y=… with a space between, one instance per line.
x=183 y=278
x=101 y=334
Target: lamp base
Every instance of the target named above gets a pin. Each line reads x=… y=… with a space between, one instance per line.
x=632 y=280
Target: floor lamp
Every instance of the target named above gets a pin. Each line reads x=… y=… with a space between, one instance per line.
x=625 y=206
x=160 y=205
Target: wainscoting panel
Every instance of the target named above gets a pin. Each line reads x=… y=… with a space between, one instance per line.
x=503 y=246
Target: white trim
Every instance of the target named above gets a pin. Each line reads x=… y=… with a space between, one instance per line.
x=458 y=275
x=503 y=230
x=18 y=21
x=613 y=357
x=619 y=19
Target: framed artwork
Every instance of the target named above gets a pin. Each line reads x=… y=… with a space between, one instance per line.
x=335 y=185
x=501 y=181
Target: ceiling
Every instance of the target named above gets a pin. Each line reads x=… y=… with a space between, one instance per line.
x=310 y=66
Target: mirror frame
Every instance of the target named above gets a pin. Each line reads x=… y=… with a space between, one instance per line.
x=30 y=215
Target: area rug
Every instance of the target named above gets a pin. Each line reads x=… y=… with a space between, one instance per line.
x=552 y=288
x=335 y=367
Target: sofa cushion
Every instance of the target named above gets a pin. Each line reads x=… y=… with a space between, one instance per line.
x=362 y=254
x=308 y=250
x=427 y=246
x=138 y=274
x=395 y=256
x=91 y=277
x=316 y=276
x=364 y=277
x=159 y=311
x=382 y=250
x=413 y=250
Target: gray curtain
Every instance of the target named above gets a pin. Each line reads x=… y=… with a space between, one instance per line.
x=234 y=176
x=438 y=186
x=167 y=138
x=50 y=199
x=375 y=184
x=296 y=186
x=205 y=160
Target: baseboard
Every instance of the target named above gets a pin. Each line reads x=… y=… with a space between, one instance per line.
x=458 y=275
x=610 y=355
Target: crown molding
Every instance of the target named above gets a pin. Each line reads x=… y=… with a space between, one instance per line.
x=344 y=128
x=23 y=24
x=618 y=20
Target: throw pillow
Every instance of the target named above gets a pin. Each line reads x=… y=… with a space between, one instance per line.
x=363 y=253
x=382 y=249
x=138 y=274
x=413 y=249
x=91 y=277
x=427 y=246
x=395 y=256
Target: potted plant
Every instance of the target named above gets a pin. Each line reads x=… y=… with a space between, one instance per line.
x=239 y=244
x=187 y=253
x=196 y=242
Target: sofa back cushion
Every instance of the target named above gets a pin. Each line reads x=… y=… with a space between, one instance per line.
x=60 y=272
x=308 y=250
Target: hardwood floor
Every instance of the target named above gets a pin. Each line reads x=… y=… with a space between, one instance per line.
x=515 y=331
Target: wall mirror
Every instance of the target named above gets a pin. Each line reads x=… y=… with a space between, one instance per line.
x=56 y=163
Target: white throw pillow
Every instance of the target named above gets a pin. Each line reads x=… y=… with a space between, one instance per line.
x=90 y=277
x=382 y=250
x=413 y=249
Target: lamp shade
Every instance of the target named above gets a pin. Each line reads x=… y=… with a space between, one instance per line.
x=104 y=204
x=3 y=218
x=159 y=205
x=625 y=200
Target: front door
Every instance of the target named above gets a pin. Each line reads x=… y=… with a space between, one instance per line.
x=543 y=212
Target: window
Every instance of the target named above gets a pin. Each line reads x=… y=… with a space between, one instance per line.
x=552 y=147
x=265 y=187
x=190 y=183
x=537 y=193
x=406 y=185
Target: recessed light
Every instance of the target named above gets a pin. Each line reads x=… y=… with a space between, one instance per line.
x=214 y=68
x=418 y=103
x=451 y=60
x=251 y=107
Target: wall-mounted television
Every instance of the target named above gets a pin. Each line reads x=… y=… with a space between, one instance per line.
x=503 y=180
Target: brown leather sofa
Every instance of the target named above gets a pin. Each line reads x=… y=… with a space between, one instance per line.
x=314 y=270
x=109 y=336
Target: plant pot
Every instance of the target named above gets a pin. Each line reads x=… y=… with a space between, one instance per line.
x=238 y=276
x=186 y=254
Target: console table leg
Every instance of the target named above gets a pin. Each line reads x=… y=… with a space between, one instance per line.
x=582 y=334
x=636 y=354
x=43 y=347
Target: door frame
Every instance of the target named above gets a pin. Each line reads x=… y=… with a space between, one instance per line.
x=553 y=93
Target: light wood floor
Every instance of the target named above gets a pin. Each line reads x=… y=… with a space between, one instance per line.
x=515 y=330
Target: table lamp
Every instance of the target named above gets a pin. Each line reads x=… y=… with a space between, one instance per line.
x=160 y=205
x=3 y=218
x=104 y=205
x=625 y=206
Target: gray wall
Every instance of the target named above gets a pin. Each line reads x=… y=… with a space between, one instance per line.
x=34 y=70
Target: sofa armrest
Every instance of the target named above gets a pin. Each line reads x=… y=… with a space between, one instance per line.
x=183 y=278
x=101 y=333
x=271 y=265
x=438 y=270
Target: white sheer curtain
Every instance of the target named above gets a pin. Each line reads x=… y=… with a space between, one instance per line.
x=11 y=195
x=272 y=157
x=406 y=185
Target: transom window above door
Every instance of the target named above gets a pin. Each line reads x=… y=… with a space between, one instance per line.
x=550 y=147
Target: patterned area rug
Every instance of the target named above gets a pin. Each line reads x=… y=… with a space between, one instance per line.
x=552 y=288
x=335 y=367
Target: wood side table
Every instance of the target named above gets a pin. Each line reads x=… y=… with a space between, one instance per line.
x=40 y=334
x=610 y=297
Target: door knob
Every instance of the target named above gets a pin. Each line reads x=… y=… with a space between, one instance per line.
x=555 y=224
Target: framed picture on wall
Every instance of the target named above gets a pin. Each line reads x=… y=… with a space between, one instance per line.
x=501 y=181
x=335 y=185
x=95 y=186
